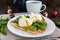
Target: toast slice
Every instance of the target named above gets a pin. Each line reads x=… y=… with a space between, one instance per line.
x=24 y=28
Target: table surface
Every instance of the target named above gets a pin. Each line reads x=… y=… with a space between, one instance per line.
x=49 y=10
x=11 y=36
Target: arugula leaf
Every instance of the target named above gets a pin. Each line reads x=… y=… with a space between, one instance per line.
x=27 y=16
x=43 y=27
x=32 y=28
x=16 y=20
x=40 y=25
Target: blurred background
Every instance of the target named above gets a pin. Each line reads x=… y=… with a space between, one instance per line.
x=20 y=6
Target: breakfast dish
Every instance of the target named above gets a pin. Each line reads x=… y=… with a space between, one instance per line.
x=33 y=23
x=49 y=28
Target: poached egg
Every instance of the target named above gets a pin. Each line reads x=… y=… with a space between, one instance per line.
x=27 y=22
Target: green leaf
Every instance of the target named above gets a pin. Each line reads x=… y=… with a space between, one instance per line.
x=3 y=23
x=27 y=16
x=43 y=26
x=32 y=28
x=3 y=30
x=16 y=20
x=26 y=29
x=40 y=25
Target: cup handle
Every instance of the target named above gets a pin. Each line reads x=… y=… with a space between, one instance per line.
x=44 y=7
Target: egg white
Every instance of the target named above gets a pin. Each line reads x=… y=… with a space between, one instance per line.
x=21 y=22
x=25 y=22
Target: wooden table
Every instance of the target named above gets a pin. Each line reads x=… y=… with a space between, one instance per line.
x=11 y=36
x=49 y=10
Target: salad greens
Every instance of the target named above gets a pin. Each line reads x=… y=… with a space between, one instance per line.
x=3 y=23
x=32 y=28
x=27 y=16
x=38 y=25
x=16 y=20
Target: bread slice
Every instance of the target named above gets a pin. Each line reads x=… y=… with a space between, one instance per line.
x=24 y=28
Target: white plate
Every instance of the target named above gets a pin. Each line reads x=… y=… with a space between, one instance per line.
x=51 y=27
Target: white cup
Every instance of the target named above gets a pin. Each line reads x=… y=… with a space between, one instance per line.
x=34 y=6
